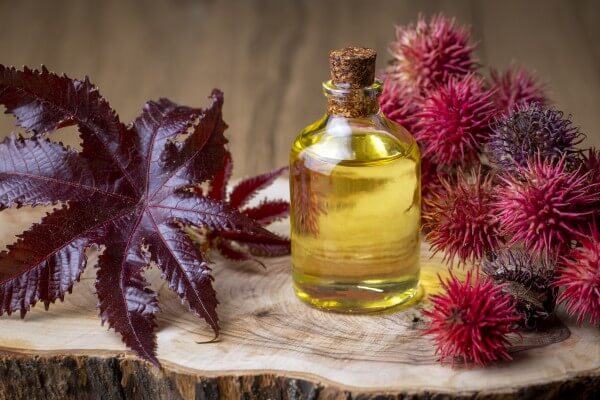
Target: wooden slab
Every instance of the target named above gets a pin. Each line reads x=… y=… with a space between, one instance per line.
x=272 y=346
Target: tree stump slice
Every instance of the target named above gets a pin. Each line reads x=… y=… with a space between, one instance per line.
x=272 y=346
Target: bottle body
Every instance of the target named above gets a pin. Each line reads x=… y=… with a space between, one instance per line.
x=355 y=220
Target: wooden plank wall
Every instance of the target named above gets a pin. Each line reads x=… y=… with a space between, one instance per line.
x=270 y=56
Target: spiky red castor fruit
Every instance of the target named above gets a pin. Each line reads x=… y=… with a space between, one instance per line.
x=545 y=206
x=399 y=104
x=453 y=123
x=579 y=276
x=516 y=86
x=429 y=53
x=471 y=319
x=458 y=218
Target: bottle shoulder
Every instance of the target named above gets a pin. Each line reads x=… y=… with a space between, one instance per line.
x=355 y=140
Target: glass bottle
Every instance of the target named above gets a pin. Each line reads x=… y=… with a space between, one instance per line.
x=356 y=197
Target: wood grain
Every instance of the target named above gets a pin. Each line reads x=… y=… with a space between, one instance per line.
x=270 y=56
x=272 y=346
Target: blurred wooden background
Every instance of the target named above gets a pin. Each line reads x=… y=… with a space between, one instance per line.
x=270 y=56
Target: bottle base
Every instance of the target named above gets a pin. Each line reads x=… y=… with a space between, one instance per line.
x=357 y=297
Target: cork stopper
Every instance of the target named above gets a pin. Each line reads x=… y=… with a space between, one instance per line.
x=352 y=91
x=354 y=66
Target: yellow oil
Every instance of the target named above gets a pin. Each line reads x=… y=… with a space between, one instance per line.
x=355 y=219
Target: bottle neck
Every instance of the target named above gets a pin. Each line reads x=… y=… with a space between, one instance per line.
x=351 y=102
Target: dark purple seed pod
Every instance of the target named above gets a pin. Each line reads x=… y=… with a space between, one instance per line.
x=532 y=130
x=528 y=279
